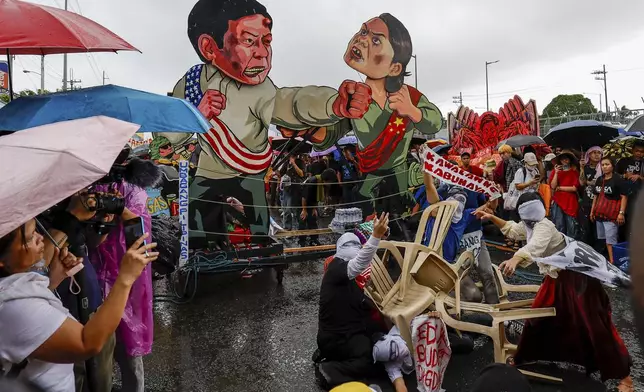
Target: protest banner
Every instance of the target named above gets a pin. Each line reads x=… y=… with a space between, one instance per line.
x=4 y=76
x=432 y=352
x=184 y=167
x=582 y=258
x=439 y=167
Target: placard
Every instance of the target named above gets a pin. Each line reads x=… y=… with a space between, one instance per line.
x=184 y=167
x=432 y=352
x=439 y=167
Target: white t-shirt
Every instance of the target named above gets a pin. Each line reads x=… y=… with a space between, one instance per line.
x=25 y=324
x=529 y=176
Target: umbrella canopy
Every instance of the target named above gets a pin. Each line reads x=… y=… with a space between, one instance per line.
x=58 y=160
x=637 y=125
x=521 y=140
x=328 y=151
x=581 y=134
x=348 y=140
x=442 y=149
x=34 y=29
x=620 y=148
x=153 y=112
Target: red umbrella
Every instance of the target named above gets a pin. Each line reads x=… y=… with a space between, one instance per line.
x=33 y=29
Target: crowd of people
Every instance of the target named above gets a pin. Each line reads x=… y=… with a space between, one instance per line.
x=549 y=199
x=63 y=328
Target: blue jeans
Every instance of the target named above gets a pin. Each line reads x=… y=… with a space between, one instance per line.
x=289 y=212
x=565 y=223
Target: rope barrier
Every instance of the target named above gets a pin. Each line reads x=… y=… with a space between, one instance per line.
x=374 y=177
x=299 y=207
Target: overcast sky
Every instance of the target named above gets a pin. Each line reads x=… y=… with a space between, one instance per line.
x=545 y=47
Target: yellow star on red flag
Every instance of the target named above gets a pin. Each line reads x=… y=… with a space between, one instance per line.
x=399 y=121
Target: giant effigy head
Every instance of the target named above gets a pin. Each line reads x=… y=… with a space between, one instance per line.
x=381 y=49
x=234 y=36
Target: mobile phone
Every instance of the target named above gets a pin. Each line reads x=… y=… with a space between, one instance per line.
x=134 y=229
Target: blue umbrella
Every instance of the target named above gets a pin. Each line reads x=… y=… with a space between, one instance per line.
x=442 y=149
x=153 y=112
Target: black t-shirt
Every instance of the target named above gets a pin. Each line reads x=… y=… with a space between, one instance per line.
x=348 y=170
x=588 y=194
x=343 y=306
x=613 y=188
x=631 y=165
x=310 y=191
x=316 y=168
x=295 y=190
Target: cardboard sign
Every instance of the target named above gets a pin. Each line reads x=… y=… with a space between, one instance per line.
x=432 y=352
x=472 y=242
x=184 y=167
x=582 y=258
x=157 y=205
x=439 y=167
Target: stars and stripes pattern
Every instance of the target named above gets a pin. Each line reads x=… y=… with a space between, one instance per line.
x=222 y=140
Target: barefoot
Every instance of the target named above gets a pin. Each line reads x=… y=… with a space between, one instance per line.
x=626 y=385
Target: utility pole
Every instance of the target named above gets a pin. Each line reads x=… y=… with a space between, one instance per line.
x=42 y=74
x=105 y=78
x=487 y=89
x=72 y=82
x=415 y=71
x=458 y=99
x=603 y=78
x=65 y=63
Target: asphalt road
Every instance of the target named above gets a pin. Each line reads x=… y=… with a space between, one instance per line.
x=250 y=334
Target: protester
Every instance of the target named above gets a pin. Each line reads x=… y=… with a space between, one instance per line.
x=548 y=166
x=348 y=176
x=38 y=333
x=466 y=158
x=292 y=188
x=637 y=268
x=499 y=377
x=309 y=200
x=392 y=351
x=609 y=206
x=582 y=332
x=591 y=169
x=527 y=178
x=564 y=182
x=504 y=173
x=135 y=333
x=345 y=327
x=632 y=169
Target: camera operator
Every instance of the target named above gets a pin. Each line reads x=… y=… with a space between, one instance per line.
x=127 y=180
x=78 y=226
x=40 y=340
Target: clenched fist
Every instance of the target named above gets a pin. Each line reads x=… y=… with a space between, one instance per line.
x=400 y=101
x=212 y=104
x=353 y=100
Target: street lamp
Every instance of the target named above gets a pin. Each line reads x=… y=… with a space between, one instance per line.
x=42 y=79
x=487 y=90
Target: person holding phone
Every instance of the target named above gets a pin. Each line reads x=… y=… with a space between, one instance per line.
x=136 y=331
x=564 y=182
x=40 y=340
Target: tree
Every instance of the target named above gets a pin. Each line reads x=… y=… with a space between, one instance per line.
x=24 y=93
x=569 y=105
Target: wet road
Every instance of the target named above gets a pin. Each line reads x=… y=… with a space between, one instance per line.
x=249 y=334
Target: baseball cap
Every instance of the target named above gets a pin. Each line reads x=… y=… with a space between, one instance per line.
x=549 y=157
x=530 y=159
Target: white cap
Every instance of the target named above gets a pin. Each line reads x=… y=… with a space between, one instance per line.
x=549 y=157
x=530 y=159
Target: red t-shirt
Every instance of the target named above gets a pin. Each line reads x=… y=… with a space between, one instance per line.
x=567 y=201
x=477 y=171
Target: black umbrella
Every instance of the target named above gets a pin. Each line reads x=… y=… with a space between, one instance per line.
x=522 y=140
x=581 y=134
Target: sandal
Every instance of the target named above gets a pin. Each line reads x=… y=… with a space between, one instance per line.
x=626 y=385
